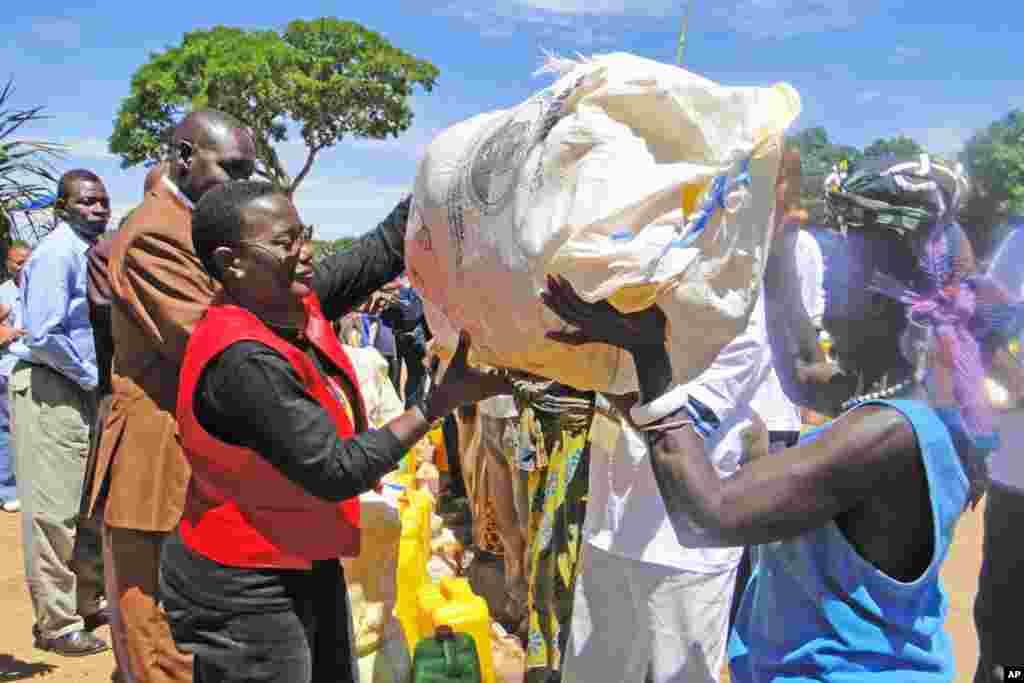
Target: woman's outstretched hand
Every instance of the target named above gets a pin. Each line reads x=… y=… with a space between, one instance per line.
x=462 y=384
x=601 y=323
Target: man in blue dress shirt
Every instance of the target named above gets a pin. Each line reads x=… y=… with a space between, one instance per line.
x=52 y=399
x=10 y=330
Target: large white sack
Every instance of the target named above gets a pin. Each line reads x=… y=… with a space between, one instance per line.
x=601 y=178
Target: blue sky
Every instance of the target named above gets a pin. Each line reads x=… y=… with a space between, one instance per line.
x=864 y=68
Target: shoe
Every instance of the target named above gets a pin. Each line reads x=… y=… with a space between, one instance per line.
x=11 y=505
x=74 y=644
x=101 y=617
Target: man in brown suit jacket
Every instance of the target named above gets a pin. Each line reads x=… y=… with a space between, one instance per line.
x=99 y=294
x=159 y=291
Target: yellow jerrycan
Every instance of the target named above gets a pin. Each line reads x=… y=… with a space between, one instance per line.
x=466 y=612
x=412 y=568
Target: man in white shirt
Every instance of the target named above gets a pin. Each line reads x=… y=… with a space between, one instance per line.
x=650 y=601
x=781 y=417
x=811 y=269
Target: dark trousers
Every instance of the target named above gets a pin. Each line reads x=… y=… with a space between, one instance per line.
x=395 y=372
x=1000 y=601
x=243 y=642
x=276 y=646
x=412 y=351
x=450 y=431
x=8 y=490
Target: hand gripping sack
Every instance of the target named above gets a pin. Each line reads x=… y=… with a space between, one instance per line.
x=639 y=182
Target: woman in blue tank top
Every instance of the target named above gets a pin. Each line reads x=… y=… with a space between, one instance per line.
x=852 y=525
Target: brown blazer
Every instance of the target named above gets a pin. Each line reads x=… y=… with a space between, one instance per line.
x=159 y=292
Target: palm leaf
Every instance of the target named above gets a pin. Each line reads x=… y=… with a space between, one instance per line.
x=27 y=172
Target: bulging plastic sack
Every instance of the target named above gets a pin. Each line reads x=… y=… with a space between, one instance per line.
x=640 y=183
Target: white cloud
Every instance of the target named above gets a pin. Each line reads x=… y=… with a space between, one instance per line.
x=90 y=148
x=345 y=207
x=945 y=140
x=758 y=18
x=58 y=31
x=866 y=96
x=497 y=32
x=614 y=7
x=904 y=54
x=788 y=18
x=567 y=23
x=409 y=145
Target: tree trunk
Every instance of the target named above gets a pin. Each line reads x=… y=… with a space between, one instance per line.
x=306 y=167
x=275 y=172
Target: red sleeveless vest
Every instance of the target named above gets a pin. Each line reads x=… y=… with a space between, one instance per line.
x=240 y=510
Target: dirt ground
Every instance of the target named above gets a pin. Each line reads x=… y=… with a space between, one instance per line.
x=19 y=661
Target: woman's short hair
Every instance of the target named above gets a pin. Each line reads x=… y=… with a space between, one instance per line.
x=217 y=218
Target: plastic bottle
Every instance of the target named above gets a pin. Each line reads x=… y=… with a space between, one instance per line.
x=428 y=478
x=436 y=437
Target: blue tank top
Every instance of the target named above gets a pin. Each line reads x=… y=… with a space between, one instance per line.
x=815 y=610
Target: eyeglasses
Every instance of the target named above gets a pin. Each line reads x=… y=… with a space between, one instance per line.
x=290 y=243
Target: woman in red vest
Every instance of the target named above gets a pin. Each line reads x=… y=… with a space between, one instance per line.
x=273 y=424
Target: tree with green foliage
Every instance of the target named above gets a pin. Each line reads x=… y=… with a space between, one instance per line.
x=817 y=156
x=818 y=153
x=324 y=248
x=327 y=77
x=899 y=146
x=26 y=170
x=994 y=160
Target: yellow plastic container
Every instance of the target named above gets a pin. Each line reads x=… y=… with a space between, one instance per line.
x=429 y=598
x=468 y=613
x=406 y=481
x=411 y=572
x=423 y=503
x=454 y=586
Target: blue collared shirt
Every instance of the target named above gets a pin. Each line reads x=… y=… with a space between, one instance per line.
x=56 y=313
x=10 y=295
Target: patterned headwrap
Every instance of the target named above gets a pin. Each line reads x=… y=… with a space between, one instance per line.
x=957 y=319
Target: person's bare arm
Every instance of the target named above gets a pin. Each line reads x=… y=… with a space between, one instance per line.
x=790 y=493
x=769 y=499
x=8 y=335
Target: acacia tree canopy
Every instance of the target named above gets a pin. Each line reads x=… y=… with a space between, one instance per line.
x=327 y=77
x=994 y=159
x=899 y=146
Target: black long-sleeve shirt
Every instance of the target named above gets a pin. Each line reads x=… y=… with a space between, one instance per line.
x=250 y=395
x=346 y=279
x=98 y=293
